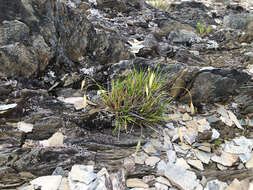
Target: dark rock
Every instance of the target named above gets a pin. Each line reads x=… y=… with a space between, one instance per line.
x=205 y=136
x=10 y=10
x=216 y=85
x=150 y=41
x=21 y=99
x=192 y=12
x=168 y=25
x=5 y=89
x=119 y=5
x=35 y=32
x=12 y=135
x=45 y=160
x=9 y=178
x=182 y=36
x=108 y=49
x=100 y=139
x=239 y=21
x=10 y=141
x=166 y=50
x=147 y=52
x=13 y=31
x=235 y=8
x=19 y=60
x=76 y=33
x=188 y=58
x=60 y=171
x=45 y=127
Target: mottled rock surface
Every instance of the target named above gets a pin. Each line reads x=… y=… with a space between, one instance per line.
x=35 y=32
x=48 y=49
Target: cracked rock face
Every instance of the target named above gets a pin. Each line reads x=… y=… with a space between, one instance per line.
x=34 y=32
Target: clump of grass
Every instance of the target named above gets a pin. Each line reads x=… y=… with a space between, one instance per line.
x=137 y=100
x=162 y=4
x=202 y=29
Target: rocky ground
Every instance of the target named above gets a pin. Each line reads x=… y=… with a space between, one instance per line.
x=50 y=139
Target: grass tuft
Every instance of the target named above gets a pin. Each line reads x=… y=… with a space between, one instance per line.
x=202 y=29
x=137 y=100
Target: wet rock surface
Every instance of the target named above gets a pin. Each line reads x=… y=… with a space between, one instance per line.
x=47 y=48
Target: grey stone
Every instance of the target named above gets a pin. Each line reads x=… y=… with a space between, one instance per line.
x=249 y=163
x=25 y=127
x=152 y=160
x=196 y=164
x=60 y=171
x=128 y=163
x=161 y=167
x=249 y=54
x=240 y=146
x=150 y=149
x=203 y=156
x=29 y=187
x=221 y=167
x=160 y=186
x=190 y=135
x=182 y=163
x=180 y=150
x=215 y=134
x=135 y=182
x=140 y=157
x=206 y=147
x=172 y=157
x=163 y=180
x=215 y=185
x=47 y=182
x=212 y=119
x=223 y=112
x=82 y=173
x=180 y=177
x=148 y=179
x=170 y=125
x=226 y=159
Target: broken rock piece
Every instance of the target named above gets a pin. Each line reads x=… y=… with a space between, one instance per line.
x=135 y=182
x=226 y=159
x=180 y=177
